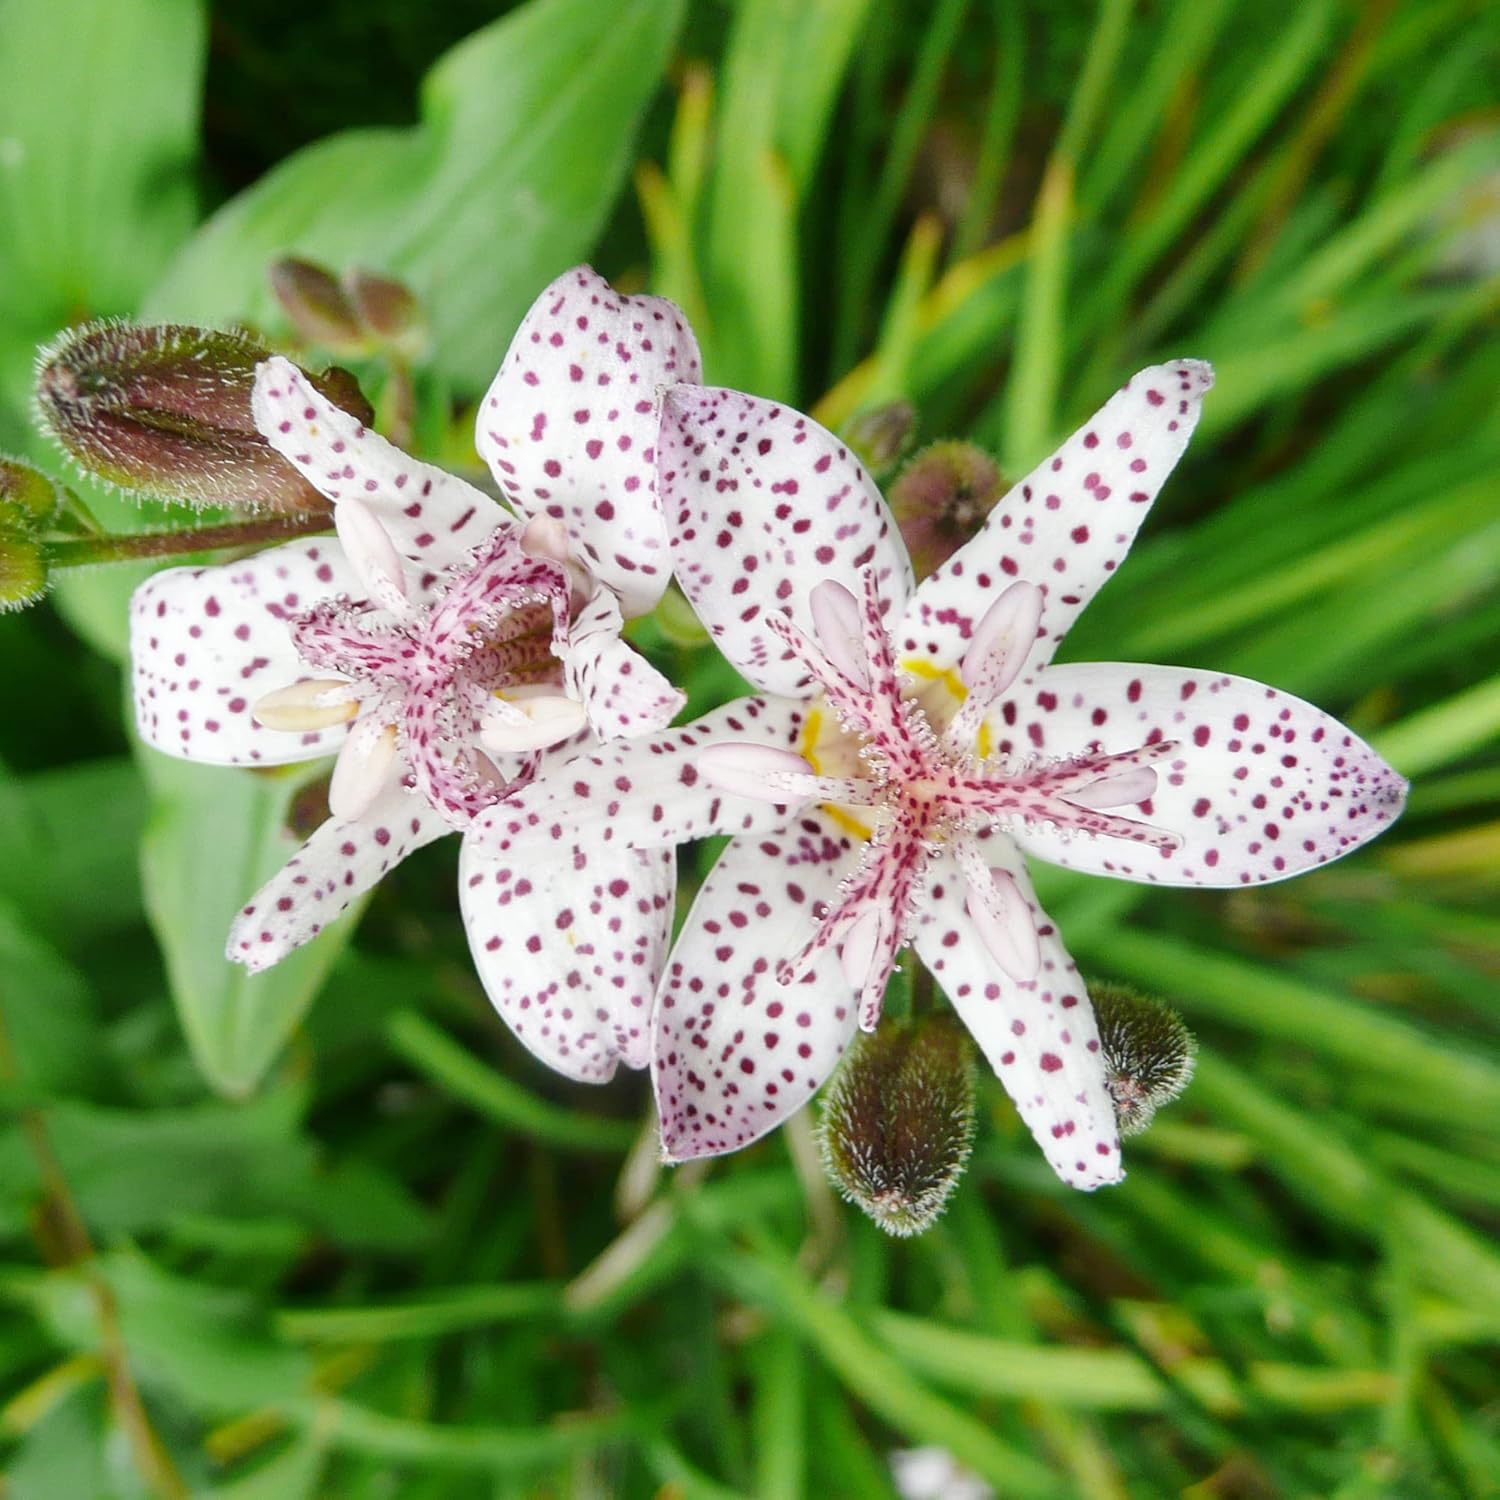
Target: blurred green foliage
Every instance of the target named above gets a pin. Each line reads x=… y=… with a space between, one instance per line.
x=257 y=1249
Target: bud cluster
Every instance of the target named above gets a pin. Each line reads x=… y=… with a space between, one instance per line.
x=356 y=316
x=29 y=507
x=1148 y=1054
x=942 y=498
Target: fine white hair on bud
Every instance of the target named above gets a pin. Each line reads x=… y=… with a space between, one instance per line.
x=898 y=1122
x=1148 y=1053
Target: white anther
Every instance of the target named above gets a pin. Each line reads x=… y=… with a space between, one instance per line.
x=1002 y=641
x=373 y=556
x=1134 y=785
x=1005 y=924
x=758 y=771
x=862 y=941
x=514 y=725
x=837 y=619
x=362 y=769
x=302 y=707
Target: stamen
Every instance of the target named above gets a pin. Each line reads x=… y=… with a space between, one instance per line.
x=302 y=707
x=1001 y=643
x=770 y=774
x=840 y=626
x=1134 y=785
x=514 y=724
x=373 y=556
x=362 y=769
x=1001 y=916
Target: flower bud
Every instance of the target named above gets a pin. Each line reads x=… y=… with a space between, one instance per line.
x=898 y=1121
x=1148 y=1053
x=29 y=501
x=941 y=498
x=386 y=308
x=318 y=307
x=165 y=410
x=23 y=571
x=881 y=434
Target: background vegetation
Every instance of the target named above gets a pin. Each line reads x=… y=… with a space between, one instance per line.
x=331 y=1232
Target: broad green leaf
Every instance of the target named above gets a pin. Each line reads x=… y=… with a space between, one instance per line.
x=50 y=1016
x=214 y=837
x=527 y=130
x=99 y=103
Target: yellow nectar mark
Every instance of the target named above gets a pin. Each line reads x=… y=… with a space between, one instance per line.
x=811 y=732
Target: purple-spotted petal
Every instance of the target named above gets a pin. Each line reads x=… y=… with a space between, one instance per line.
x=644 y=793
x=762 y=505
x=433 y=517
x=569 y=425
x=1038 y=1035
x=622 y=693
x=734 y=1052
x=1263 y=785
x=339 y=863
x=206 y=643
x=1067 y=525
x=570 y=947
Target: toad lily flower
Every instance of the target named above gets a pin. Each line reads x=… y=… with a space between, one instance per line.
x=441 y=645
x=918 y=746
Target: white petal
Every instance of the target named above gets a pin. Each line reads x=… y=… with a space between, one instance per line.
x=569 y=938
x=433 y=517
x=645 y=792
x=206 y=643
x=763 y=504
x=1038 y=1036
x=340 y=862
x=734 y=1052
x=1067 y=525
x=621 y=692
x=1262 y=785
x=569 y=425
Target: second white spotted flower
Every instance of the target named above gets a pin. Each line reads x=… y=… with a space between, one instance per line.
x=441 y=644
x=914 y=745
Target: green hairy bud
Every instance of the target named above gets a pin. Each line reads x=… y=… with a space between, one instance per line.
x=1148 y=1053
x=29 y=501
x=898 y=1121
x=941 y=499
x=23 y=571
x=165 y=410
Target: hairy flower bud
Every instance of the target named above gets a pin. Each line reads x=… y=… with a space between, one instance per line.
x=165 y=410
x=1148 y=1053
x=29 y=501
x=941 y=498
x=318 y=307
x=881 y=434
x=23 y=571
x=898 y=1121
x=387 y=308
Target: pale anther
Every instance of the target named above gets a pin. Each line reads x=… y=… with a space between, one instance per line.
x=312 y=704
x=514 y=725
x=838 y=621
x=373 y=556
x=362 y=769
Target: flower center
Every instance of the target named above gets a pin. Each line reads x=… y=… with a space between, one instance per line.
x=433 y=688
x=916 y=790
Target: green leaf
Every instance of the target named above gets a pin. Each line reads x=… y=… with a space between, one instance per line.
x=49 y=1042
x=99 y=112
x=215 y=837
x=527 y=129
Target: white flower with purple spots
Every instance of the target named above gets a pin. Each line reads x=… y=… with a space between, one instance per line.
x=440 y=645
x=921 y=745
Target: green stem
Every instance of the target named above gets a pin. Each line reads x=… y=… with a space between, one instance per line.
x=130 y=548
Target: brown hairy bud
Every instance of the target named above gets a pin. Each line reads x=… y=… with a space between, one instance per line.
x=387 y=308
x=898 y=1121
x=941 y=499
x=165 y=410
x=880 y=435
x=1148 y=1053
